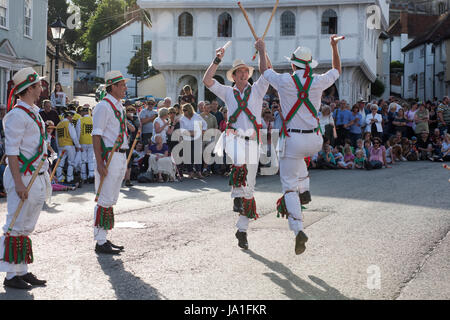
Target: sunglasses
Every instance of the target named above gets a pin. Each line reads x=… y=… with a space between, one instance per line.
x=185 y=110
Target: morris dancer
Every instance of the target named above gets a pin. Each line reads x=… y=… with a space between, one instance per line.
x=244 y=103
x=109 y=128
x=300 y=98
x=84 y=132
x=25 y=145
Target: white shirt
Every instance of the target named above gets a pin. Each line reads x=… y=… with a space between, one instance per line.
x=72 y=133
x=226 y=93
x=324 y=120
x=22 y=134
x=105 y=123
x=288 y=93
x=196 y=124
x=163 y=133
x=378 y=117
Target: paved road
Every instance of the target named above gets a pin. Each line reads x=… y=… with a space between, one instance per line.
x=382 y=234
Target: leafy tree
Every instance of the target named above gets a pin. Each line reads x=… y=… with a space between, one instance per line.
x=135 y=66
x=378 y=88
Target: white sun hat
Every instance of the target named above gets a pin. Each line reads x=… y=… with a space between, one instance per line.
x=113 y=77
x=302 y=57
x=238 y=63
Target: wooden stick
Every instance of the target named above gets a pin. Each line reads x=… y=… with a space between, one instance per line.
x=103 y=178
x=268 y=26
x=248 y=21
x=134 y=145
x=339 y=38
x=56 y=165
x=35 y=174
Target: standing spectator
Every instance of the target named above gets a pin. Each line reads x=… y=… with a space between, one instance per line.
x=356 y=124
x=421 y=118
x=343 y=118
x=327 y=125
x=132 y=132
x=2 y=131
x=210 y=119
x=161 y=125
x=187 y=97
x=174 y=124
x=59 y=98
x=387 y=117
x=179 y=112
x=433 y=121
x=223 y=123
x=201 y=106
x=410 y=115
x=278 y=117
x=374 y=122
x=147 y=116
x=424 y=146
x=215 y=111
x=167 y=102
x=192 y=125
x=48 y=113
x=400 y=123
x=443 y=113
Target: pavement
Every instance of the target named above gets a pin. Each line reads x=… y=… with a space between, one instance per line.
x=381 y=234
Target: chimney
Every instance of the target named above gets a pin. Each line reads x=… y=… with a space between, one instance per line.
x=404 y=21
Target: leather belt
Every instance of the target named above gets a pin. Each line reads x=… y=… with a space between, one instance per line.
x=122 y=150
x=300 y=131
x=41 y=173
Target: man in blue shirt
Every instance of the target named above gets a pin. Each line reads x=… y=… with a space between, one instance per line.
x=343 y=117
x=356 y=123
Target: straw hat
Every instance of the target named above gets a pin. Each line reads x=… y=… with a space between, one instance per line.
x=301 y=57
x=113 y=77
x=22 y=79
x=238 y=63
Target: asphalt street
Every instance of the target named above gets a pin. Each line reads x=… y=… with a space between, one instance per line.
x=381 y=234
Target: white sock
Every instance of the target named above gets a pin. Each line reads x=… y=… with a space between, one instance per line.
x=10 y=275
x=242 y=223
x=295 y=212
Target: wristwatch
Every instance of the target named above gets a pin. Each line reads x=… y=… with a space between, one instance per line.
x=217 y=60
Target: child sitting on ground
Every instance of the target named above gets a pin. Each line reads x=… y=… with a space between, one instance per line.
x=359 y=160
x=337 y=153
x=348 y=157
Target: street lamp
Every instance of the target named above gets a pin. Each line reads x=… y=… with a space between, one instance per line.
x=58 y=28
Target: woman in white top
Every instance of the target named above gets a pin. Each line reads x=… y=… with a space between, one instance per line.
x=59 y=98
x=373 y=122
x=161 y=125
x=327 y=124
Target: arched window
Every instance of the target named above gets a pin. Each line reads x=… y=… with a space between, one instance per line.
x=224 y=26
x=288 y=24
x=185 y=25
x=329 y=22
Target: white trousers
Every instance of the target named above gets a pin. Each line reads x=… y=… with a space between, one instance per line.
x=28 y=216
x=69 y=155
x=294 y=173
x=87 y=157
x=242 y=152
x=110 y=189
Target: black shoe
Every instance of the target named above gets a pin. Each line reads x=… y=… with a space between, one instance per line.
x=128 y=183
x=305 y=197
x=121 y=248
x=242 y=239
x=300 y=241
x=91 y=180
x=16 y=283
x=106 y=248
x=238 y=205
x=31 y=279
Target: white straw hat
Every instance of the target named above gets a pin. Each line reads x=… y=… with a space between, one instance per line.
x=113 y=77
x=22 y=79
x=302 y=57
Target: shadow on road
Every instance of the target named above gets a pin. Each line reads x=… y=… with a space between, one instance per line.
x=15 y=294
x=126 y=285
x=294 y=287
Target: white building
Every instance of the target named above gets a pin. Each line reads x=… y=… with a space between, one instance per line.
x=426 y=68
x=186 y=34
x=115 y=50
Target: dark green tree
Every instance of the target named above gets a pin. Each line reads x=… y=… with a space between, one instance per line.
x=377 y=88
x=135 y=66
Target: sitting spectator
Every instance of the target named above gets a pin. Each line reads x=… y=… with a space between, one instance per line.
x=160 y=162
x=349 y=157
x=367 y=145
x=446 y=147
x=412 y=153
x=436 y=143
x=161 y=125
x=339 y=157
x=425 y=147
x=400 y=123
x=326 y=160
x=360 y=159
x=395 y=152
x=138 y=159
x=368 y=137
x=377 y=156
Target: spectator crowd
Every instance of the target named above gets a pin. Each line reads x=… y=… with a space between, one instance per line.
x=367 y=135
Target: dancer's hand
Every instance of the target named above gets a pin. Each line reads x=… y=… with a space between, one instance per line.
x=101 y=168
x=220 y=53
x=21 y=191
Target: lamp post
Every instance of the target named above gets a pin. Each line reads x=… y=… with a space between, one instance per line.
x=58 y=28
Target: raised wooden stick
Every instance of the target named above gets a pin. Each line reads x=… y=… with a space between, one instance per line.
x=103 y=178
x=248 y=21
x=56 y=165
x=134 y=145
x=35 y=174
x=268 y=25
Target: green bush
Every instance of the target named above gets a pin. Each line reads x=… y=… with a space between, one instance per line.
x=378 y=88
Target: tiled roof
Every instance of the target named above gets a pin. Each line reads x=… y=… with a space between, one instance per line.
x=438 y=31
x=416 y=24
